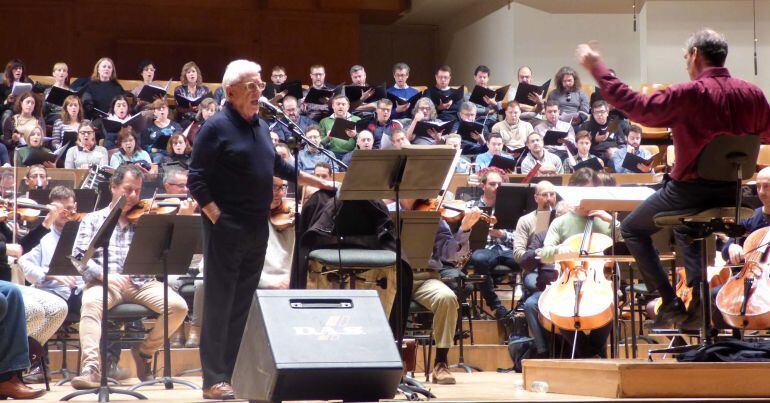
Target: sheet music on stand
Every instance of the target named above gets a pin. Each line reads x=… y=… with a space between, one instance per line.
x=608 y=198
x=418 y=232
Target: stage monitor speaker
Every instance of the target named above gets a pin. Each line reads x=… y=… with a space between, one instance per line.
x=317 y=345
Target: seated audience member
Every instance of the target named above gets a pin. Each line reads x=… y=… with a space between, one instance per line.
x=309 y=156
x=34 y=141
x=291 y=111
x=86 y=152
x=634 y=139
x=498 y=250
x=513 y=130
x=552 y=123
x=48 y=298
x=340 y=105
x=430 y=291
x=529 y=113
x=36 y=177
x=283 y=150
x=550 y=164
x=495 y=147
x=14 y=345
x=364 y=106
x=398 y=139
x=26 y=117
x=119 y=111
x=583 y=143
x=52 y=112
x=316 y=112
x=15 y=71
x=71 y=116
x=463 y=164
x=572 y=101
x=161 y=127
x=206 y=109
x=402 y=90
x=423 y=110
x=191 y=88
x=604 y=144
x=364 y=141
x=485 y=114
x=467 y=113
x=382 y=124
x=144 y=290
x=129 y=152
x=447 y=111
x=102 y=88
x=572 y=223
x=178 y=151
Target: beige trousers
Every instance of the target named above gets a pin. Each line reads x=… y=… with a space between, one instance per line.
x=433 y=294
x=149 y=295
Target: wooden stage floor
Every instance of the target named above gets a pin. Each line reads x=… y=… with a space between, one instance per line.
x=476 y=387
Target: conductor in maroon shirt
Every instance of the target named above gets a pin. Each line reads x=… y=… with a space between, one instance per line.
x=711 y=103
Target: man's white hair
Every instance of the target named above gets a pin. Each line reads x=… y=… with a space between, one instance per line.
x=237 y=69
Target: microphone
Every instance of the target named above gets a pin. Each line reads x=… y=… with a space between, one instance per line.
x=265 y=103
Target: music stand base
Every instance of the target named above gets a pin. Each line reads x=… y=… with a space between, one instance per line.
x=103 y=393
x=466 y=367
x=411 y=386
x=189 y=371
x=167 y=381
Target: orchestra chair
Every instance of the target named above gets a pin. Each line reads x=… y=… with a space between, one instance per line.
x=727 y=158
x=420 y=328
x=63 y=337
x=763 y=159
x=656 y=134
x=120 y=316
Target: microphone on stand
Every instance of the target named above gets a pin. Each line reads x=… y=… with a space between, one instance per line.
x=265 y=103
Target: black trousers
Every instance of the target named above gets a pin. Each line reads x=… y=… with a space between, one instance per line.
x=233 y=253
x=639 y=226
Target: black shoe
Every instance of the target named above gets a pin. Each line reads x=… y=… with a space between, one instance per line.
x=694 y=320
x=501 y=312
x=669 y=314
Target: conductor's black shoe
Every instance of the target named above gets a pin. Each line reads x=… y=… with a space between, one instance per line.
x=670 y=313
x=694 y=320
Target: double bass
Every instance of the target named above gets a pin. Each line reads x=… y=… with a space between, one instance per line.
x=744 y=300
x=581 y=297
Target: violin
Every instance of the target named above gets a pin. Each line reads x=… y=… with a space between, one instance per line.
x=282 y=217
x=450 y=210
x=29 y=210
x=581 y=298
x=150 y=206
x=744 y=300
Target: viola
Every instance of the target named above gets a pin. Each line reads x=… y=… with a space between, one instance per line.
x=581 y=298
x=450 y=210
x=744 y=300
x=282 y=217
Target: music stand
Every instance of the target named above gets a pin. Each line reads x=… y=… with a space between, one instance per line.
x=408 y=173
x=102 y=240
x=513 y=201
x=163 y=245
x=612 y=200
x=84 y=198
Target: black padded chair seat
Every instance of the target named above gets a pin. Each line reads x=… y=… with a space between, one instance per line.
x=675 y=218
x=354 y=258
x=130 y=312
x=416 y=307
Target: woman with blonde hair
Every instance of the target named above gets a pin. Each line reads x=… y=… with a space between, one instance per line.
x=34 y=140
x=60 y=76
x=190 y=92
x=101 y=89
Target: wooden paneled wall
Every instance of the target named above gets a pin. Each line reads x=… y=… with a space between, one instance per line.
x=292 y=33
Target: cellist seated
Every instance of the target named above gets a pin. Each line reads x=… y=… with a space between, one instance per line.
x=594 y=343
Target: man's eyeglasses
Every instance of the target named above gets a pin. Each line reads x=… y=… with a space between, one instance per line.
x=86 y=132
x=280 y=187
x=601 y=112
x=254 y=85
x=179 y=185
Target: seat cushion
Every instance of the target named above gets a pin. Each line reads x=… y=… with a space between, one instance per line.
x=675 y=218
x=130 y=311
x=354 y=258
x=416 y=307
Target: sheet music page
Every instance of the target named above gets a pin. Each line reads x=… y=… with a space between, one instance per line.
x=576 y=194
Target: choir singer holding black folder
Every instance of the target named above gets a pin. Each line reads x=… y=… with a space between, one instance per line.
x=231 y=177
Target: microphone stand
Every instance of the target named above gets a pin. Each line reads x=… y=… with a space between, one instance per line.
x=294 y=142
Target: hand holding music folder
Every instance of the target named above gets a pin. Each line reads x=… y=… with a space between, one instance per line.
x=466 y=129
x=402 y=101
x=150 y=92
x=631 y=161
x=40 y=155
x=340 y=127
x=504 y=163
x=421 y=129
x=293 y=88
x=20 y=88
x=319 y=97
x=188 y=102
x=113 y=124
x=592 y=163
x=478 y=94
x=356 y=92
x=554 y=138
x=161 y=142
x=524 y=89
x=57 y=95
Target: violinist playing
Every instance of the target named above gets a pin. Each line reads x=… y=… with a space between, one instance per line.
x=495 y=147
x=37 y=177
x=572 y=223
x=430 y=291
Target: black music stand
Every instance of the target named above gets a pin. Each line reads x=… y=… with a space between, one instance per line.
x=102 y=240
x=163 y=245
x=84 y=198
x=409 y=173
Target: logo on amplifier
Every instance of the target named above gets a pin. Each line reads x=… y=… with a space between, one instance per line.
x=334 y=327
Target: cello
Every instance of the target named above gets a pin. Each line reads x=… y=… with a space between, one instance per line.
x=744 y=300
x=581 y=297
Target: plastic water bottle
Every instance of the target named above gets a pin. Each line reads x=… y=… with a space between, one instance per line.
x=539 y=387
